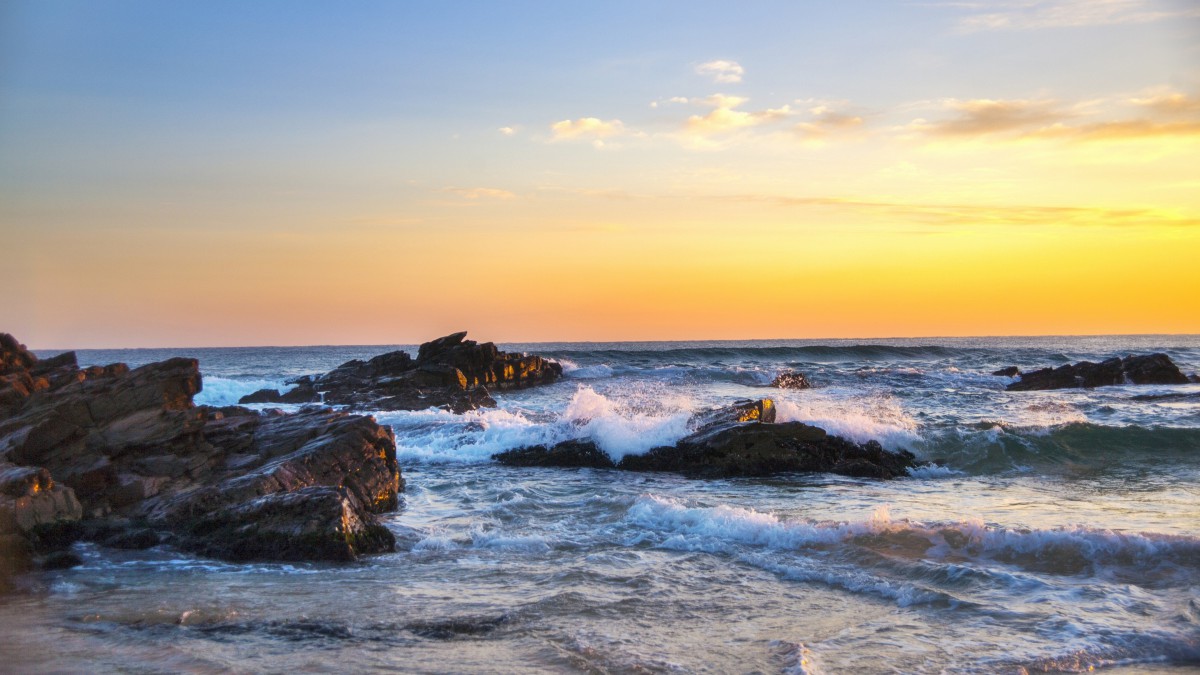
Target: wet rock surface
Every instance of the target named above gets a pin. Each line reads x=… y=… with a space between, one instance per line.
x=450 y=372
x=740 y=440
x=124 y=457
x=791 y=380
x=1141 y=369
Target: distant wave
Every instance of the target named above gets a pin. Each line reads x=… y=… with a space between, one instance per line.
x=989 y=448
x=868 y=352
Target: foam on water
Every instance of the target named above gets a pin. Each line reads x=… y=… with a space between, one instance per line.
x=222 y=391
x=859 y=420
x=630 y=423
x=1069 y=550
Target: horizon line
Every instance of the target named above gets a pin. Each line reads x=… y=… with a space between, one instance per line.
x=586 y=342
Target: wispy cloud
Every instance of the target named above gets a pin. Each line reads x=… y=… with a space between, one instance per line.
x=1158 y=114
x=508 y=131
x=724 y=72
x=481 y=193
x=981 y=117
x=1041 y=14
x=825 y=120
x=963 y=215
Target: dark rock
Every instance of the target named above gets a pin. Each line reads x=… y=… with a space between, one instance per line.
x=1010 y=371
x=741 y=440
x=136 y=539
x=573 y=453
x=313 y=523
x=791 y=380
x=261 y=396
x=60 y=560
x=131 y=454
x=1144 y=369
x=450 y=372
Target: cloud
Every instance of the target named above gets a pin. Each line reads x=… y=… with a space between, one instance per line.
x=1041 y=14
x=508 y=131
x=1160 y=114
x=586 y=127
x=479 y=193
x=981 y=117
x=1169 y=103
x=725 y=116
x=826 y=121
x=965 y=215
x=724 y=72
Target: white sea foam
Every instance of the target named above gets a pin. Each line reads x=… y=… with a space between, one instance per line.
x=858 y=420
x=222 y=391
x=631 y=423
x=623 y=427
x=715 y=529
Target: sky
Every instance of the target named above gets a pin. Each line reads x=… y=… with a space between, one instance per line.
x=293 y=173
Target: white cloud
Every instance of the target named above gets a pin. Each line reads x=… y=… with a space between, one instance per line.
x=725 y=116
x=508 y=131
x=586 y=127
x=722 y=71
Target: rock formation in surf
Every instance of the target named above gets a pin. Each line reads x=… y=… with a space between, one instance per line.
x=450 y=372
x=125 y=456
x=791 y=380
x=741 y=440
x=1143 y=369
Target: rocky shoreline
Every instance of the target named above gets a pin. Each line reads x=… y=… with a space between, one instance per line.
x=125 y=457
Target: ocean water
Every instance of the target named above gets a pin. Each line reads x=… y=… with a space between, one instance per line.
x=1060 y=531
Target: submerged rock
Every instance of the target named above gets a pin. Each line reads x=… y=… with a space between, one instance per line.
x=791 y=380
x=450 y=372
x=732 y=442
x=1143 y=369
x=129 y=454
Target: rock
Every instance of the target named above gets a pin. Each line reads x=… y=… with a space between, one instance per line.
x=261 y=396
x=312 y=523
x=450 y=372
x=573 y=453
x=1144 y=369
x=732 y=442
x=791 y=380
x=131 y=455
x=1010 y=371
x=60 y=560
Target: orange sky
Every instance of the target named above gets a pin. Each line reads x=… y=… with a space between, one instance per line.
x=634 y=193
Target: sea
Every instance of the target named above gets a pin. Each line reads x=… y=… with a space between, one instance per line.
x=1057 y=531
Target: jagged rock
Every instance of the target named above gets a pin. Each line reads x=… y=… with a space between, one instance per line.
x=791 y=380
x=573 y=453
x=728 y=443
x=1010 y=371
x=130 y=453
x=312 y=523
x=450 y=372
x=302 y=393
x=1143 y=369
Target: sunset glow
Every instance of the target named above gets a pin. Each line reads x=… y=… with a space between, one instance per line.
x=220 y=174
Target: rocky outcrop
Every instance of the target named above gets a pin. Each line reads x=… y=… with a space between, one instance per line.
x=303 y=392
x=127 y=453
x=791 y=380
x=1009 y=371
x=1143 y=369
x=450 y=372
x=742 y=440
